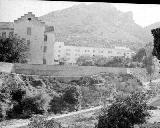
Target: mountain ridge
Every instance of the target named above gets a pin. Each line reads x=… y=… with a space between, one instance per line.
x=97 y=25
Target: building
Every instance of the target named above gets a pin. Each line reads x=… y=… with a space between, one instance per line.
x=72 y=53
x=39 y=37
x=6 y=29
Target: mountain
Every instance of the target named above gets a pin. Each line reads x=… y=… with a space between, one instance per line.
x=98 y=25
x=152 y=26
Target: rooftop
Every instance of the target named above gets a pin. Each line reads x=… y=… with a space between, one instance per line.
x=6 y=25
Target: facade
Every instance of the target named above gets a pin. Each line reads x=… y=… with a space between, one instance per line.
x=6 y=29
x=39 y=37
x=72 y=53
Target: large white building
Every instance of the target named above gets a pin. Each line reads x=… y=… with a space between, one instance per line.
x=71 y=53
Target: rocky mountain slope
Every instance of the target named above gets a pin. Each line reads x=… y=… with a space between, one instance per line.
x=152 y=26
x=98 y=25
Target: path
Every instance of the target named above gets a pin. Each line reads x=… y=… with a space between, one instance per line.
x=21 y=123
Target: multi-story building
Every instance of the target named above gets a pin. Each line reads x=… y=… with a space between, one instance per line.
x=6 y=29
x=39 y=37
x=72 y=53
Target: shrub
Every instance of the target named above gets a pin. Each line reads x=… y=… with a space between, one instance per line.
x=71 y=97
x=125 y=112
x=56 y=105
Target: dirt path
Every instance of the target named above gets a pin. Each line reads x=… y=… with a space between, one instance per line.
x=20 y=123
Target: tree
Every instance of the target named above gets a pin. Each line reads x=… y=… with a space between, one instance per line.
x=71 y=97
x=85 y=60
x=62 y=60
x=156 y=49
x=149 y=65
x=13 y=50
x=125 y=112
x=140 y=55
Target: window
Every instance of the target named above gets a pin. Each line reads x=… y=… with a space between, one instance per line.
x=45 y=37
x=28 y=43
x=67 y=49
x=29 y=19
x=3 y=34
x=77 y=50
x=28 y=30
x=10 y=34
x=109 y=51
x=44 y=61
x=45 y=49
x=55 y=60
x=67 y=54
x=23 y=39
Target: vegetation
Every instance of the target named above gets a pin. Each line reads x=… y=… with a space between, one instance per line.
x=20 y=98
x=156 y=49
x=125 y=112
x=104 y=61
x=41 y=122
x=13 y=50
x=140 y=55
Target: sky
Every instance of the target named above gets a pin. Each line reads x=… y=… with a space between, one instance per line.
x=12 y=9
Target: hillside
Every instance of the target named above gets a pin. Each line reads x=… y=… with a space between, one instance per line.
x=152 y=26
x=99 y=25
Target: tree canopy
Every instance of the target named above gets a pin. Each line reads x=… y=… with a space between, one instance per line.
x=13 y=50
x=156 y=49
x=125 y=112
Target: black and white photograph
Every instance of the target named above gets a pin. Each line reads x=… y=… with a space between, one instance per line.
x=72 y=64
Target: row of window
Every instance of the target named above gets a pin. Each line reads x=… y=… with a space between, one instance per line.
x=4 y=35
x=77 y=50
x=69 y=53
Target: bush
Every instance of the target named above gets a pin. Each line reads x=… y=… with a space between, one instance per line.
x=125 y=112
x=71 y=95
x=71 y=98
x=57 y=105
